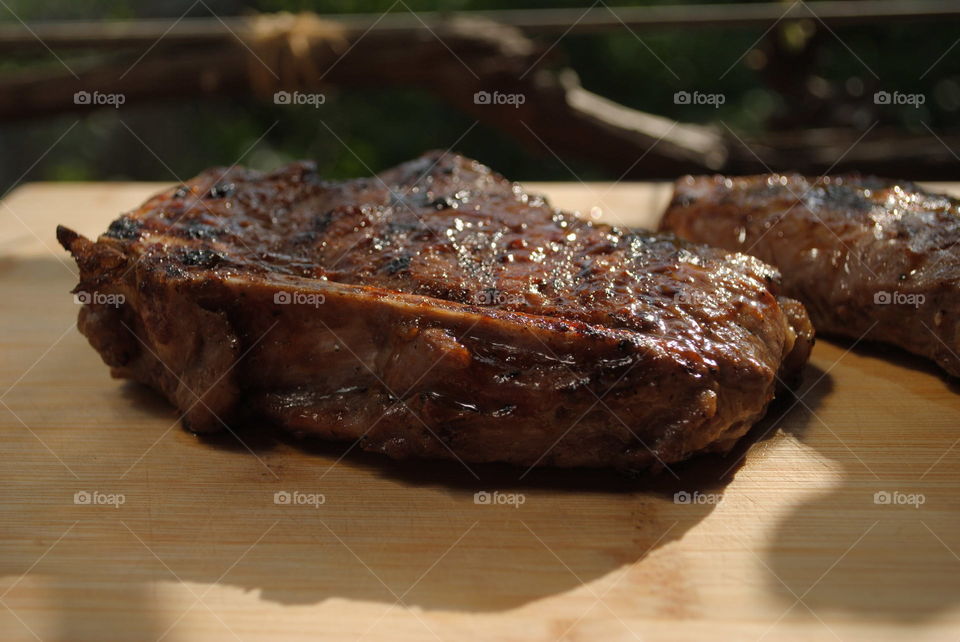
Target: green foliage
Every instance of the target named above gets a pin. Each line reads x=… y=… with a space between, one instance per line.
x=358 y=131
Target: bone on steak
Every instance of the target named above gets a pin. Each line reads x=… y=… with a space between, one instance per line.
x=436 y=310
x=869 y=258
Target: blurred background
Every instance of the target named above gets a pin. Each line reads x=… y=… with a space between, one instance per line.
x=556 y=90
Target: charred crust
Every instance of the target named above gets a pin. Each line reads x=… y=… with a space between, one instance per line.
x=397 y=264
x=223 y=190
x=202 y=258
x=199 y=231
x=124 y=229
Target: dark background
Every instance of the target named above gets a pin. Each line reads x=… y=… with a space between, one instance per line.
x=815 y=81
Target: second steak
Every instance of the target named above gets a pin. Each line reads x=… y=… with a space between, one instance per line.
x=869 y=258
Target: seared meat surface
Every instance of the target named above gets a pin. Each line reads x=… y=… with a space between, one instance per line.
x=436 y=310
x=868 y=257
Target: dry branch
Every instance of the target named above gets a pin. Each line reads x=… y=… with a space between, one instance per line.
x=456 y=57
x=215 y=30
x=466 y=56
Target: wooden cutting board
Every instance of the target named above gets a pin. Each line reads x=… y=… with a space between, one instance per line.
x=118 y=525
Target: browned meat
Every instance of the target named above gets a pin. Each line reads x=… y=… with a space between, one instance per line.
x=436 y=310
x=868 y=257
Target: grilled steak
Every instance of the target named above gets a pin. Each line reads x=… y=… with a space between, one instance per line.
x=435 y=310
x=868 y=257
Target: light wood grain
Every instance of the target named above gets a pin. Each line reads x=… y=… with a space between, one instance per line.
x=797 y=550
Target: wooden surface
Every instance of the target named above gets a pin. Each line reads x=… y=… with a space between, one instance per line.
x=199 y=550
